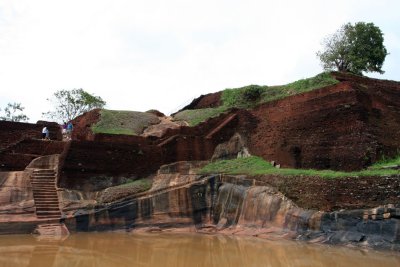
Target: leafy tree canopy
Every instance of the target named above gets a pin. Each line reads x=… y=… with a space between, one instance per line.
x=354 y=48
x=68 y=104
x=13 y=112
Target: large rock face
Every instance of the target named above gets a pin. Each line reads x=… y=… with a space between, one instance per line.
x=16 y=198
x=234 y=205
x=346 y=126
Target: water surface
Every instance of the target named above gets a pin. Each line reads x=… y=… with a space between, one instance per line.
x=174 y=250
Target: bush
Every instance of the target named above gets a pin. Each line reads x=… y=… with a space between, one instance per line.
x=252 y=93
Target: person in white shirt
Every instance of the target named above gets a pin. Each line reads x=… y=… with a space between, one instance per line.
x=45 y=133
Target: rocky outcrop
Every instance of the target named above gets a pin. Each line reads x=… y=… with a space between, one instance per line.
x=235 y=148
x=16 y=197
x=160 y=129
x=180 y=198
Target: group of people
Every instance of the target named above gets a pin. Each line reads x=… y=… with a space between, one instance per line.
x=66 y=131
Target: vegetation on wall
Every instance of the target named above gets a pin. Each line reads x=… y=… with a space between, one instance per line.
x=123 y=122
x=253 y=95
x=258 y=166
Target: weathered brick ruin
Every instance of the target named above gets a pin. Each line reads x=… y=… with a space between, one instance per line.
x=347 y=126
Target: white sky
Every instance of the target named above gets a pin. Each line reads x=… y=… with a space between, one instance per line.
x=144 y=54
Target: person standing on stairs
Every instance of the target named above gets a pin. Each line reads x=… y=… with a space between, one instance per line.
x=69 y=130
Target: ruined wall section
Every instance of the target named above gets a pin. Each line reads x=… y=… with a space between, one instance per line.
x=18 y=156
x=347 y=126
x=12 y=132
x=86 y=162
x=136 y=157
x=20 y=143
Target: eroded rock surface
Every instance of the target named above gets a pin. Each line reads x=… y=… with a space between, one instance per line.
x=235 y=205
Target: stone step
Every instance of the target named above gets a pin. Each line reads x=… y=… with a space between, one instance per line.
x=39 y=210
x=48 y=225
x=43 y=173
x=44 y=189
x=44 y=193
x=53 y=203
x=46 y=201
x=41 y=188
x=49 y=216
x=39 y=199
x=45 y=213
x=39 y=185
x=43 y=183
x=51 y=212
x=41 y=205
x=49 y=198
x=45 y=207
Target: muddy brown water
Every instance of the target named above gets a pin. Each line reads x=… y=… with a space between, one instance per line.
x=167 y=250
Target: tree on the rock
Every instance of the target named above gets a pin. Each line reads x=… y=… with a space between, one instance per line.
x=13 y=112
x=69 y=104
x=354 y=48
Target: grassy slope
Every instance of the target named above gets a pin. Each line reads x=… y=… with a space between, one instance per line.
x=123 y=122
x=236 y=98
x=257 y=166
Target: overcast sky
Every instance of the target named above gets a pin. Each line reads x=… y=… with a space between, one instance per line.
x=139 y=55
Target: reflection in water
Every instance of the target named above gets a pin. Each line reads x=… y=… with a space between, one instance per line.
x=122 y=249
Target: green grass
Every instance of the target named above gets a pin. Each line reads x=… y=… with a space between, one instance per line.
x=385 y=162
x=253 y=95
x=257 y=166
x=123 y=122
x=142 y=184
x=298 y=87
x=196 y=116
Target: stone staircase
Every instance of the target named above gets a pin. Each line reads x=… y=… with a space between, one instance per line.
x=45 y=194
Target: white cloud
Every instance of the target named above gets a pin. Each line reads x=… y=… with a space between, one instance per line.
x=139 y=55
